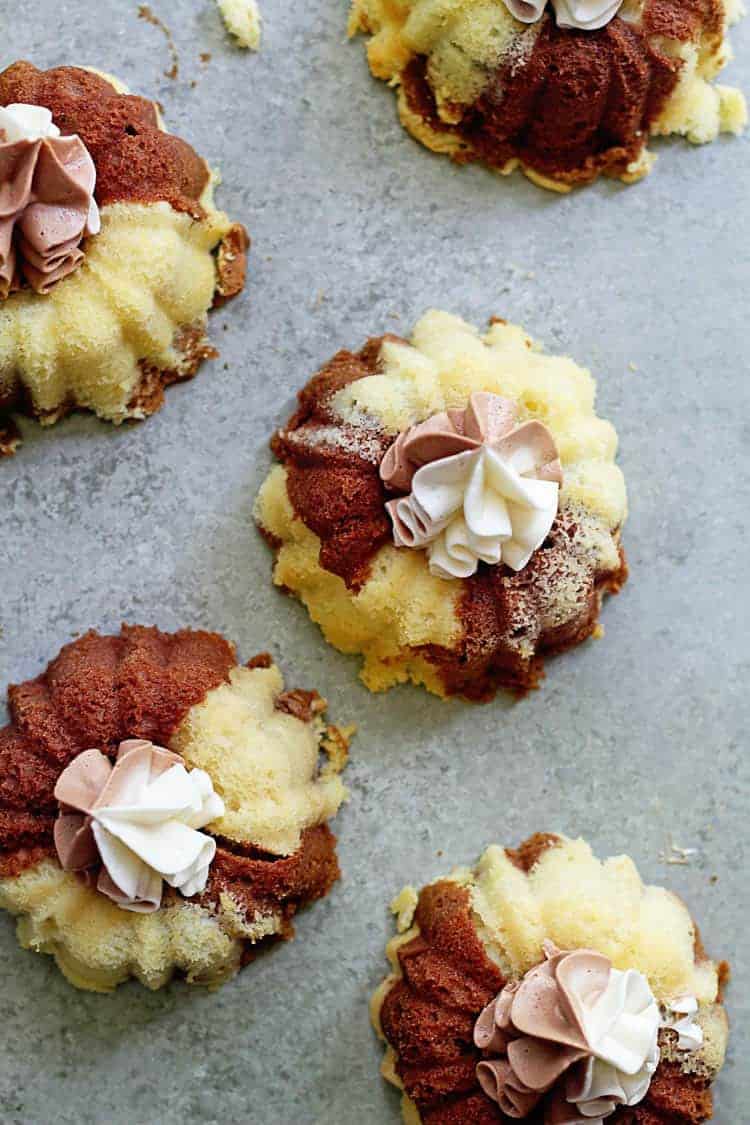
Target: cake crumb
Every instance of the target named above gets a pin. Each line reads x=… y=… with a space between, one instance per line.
x=10 y=438
x=335 y=744
x=632 y=366
x=676 y=856
x=145 y=13
x=403 y=906
x=242 y=20
x=598 y=632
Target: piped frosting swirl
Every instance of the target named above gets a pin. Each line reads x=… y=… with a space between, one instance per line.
x=581 y=15
x=575 y=1033
x=480 y=488
x=138 y=819
x=47 y=204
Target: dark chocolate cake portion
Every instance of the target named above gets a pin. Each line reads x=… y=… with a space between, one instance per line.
x=136 y=161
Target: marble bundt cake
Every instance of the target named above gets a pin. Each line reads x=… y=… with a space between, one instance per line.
x=113 y=761
x=111 y=250
x=546 y=986
x=449 y=507
x=565 y=90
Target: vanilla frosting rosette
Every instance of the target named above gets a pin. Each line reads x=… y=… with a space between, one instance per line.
x=139 y=820
x=582 y=15
x=481 y=489
x=47 y=204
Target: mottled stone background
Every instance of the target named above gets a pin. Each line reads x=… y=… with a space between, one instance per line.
x=635 y=741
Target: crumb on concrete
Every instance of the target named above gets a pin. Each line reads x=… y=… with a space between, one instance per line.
x=403 y=906
x=242 y=20
x=676 y=856
x=145 y=13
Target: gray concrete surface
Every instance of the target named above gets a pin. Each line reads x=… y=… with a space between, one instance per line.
x=633 y=741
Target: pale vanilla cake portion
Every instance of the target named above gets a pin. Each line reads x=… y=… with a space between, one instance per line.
x=97 y=946
x=278 y=773
x=401 y=609
x=552 y=889
x=263 y=762
x=447 y=56
x=141 y=298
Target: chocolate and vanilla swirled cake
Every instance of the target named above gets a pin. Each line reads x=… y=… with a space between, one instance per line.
x=163 y=808
x=448 y=506
x=565 y=90
x=546 y=986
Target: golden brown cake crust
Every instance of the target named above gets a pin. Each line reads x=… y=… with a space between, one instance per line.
x=141 y=683
x=136 y=161
x=428 y=1017
x=335 y=488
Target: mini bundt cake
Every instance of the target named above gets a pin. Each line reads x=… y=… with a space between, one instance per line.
x=113 y=760
x=544 y=985
x=449 y=507
x=564 y=90
x=111 y=250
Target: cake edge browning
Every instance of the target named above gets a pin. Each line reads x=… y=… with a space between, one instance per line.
x=142 y=682
x=442 y=977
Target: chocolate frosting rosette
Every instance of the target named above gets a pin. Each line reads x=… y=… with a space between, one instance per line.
x=112 y=251
x=545 y=986
x=448 y=506
x=565 y=90
x=163 y=808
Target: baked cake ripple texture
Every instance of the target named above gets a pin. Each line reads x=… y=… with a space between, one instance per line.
x=463 y=938
x=262 y=748
x=565 y=105
x=322 y=509
x=133 y=318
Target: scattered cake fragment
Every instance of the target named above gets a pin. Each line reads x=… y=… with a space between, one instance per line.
x=243 y=21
